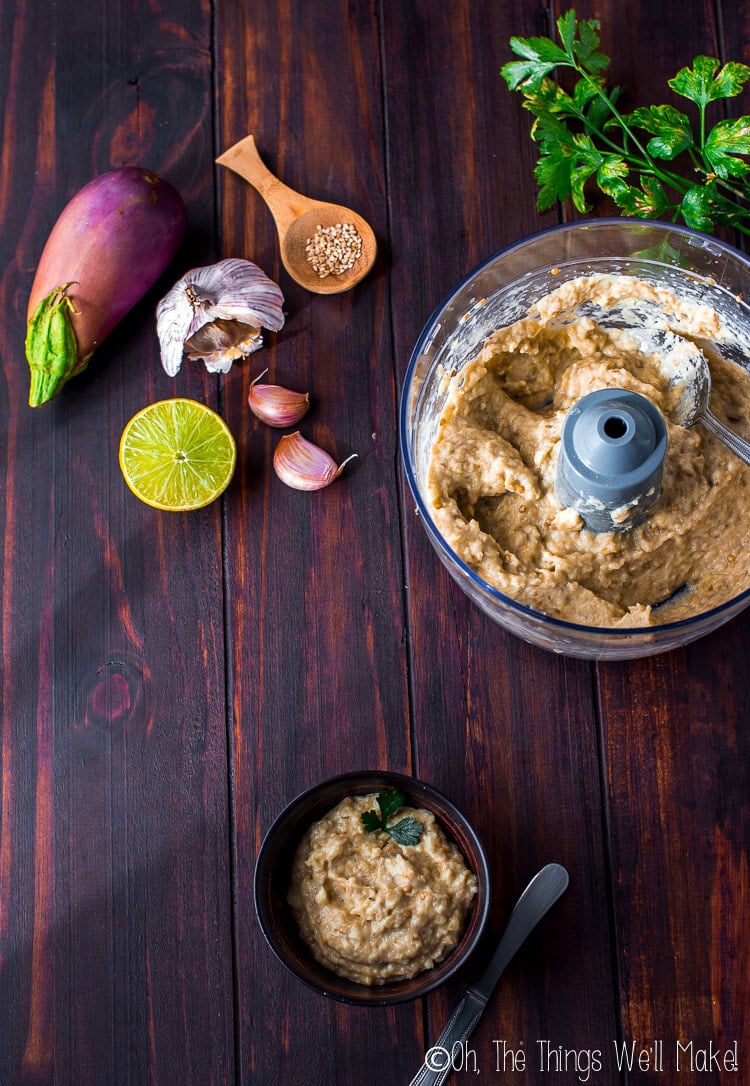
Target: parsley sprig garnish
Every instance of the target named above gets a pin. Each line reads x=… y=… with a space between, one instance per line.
x=407 y=831
x=582 y=135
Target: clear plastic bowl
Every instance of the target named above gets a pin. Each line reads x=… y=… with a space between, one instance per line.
x=501 y=290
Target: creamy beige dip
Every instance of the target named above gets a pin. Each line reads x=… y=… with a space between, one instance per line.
x=492 y=469
x=370 y=909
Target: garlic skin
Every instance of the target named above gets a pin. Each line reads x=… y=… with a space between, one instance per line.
x=304 y=466
x=275 y=405
x=216 y=314
x=222 y=340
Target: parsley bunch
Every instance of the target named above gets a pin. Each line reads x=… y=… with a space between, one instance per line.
x=582 y=135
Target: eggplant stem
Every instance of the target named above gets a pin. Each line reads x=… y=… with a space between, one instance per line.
x=51 y=346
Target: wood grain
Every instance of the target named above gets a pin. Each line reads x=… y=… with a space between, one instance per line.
x=508 y=731
x=315 y=584
x=115 y=890
x=170 y=682
x=680 y=851
x=678 y=786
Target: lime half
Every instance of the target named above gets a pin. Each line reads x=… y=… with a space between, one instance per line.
x=177 y=455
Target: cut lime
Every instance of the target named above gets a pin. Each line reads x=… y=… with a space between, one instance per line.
x=177 y=455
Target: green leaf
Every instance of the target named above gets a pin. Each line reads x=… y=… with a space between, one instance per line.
x=695 y=208
x=585 y=90
x=371 y=821
x=548 y=130
x=566 y=162
x=627 y=197
x=704 y=83
x=655 y=200
x=549 y=97
x=579 y=175
x=725 y=140
x=703 y=208
x=585 y=146
x=599 y=113
x=587 y=51
x=524 y=73
x=672 y=131
x=540 y=56
x=406 y=832
x=731 y=79
x=566 y=28
x=539 y=49
x=586 y=163
x=649 y=201
x=552 y=172
x=389 y=802
x=610 y=177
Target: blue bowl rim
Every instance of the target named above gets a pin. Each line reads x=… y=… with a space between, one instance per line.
x=573 y=628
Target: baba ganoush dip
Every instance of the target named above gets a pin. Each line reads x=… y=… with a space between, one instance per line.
x=491 y=478
x=373 y=910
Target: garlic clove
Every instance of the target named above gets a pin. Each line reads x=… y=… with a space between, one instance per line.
x=277 y=406
x=304 y=466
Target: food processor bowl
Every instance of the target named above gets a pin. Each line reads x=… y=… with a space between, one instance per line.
x=697 y=268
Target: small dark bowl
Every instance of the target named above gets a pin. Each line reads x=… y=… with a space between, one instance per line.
x=273 y=875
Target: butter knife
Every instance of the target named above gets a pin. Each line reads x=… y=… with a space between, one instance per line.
x=536 y=900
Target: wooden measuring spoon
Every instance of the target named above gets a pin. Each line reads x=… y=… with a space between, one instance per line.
x=297 y=217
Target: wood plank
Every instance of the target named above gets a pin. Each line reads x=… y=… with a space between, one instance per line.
x=676 y=757
x=733 y=34
x=734 y=43
x=678 y=785
x=507 y=731
x=114 y=862
x=315 y=585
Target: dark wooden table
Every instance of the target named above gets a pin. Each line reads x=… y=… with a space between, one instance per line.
x=169 y=682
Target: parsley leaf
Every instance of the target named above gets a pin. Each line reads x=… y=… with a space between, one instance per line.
x=552 y=171
x=528 y=73
x=407 y=831
x=610 y=177
x=371 y=821
x=726 y=140
x=566 y=28
x=541 y=50
x=601 y=108
x=540 y=56
x=586 y=50
x=702 y=207
x=651 y=201
x=672 y=130
x=704 y=83
x=389 y=802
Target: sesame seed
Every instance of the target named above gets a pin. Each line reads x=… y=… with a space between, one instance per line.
x=333 y=250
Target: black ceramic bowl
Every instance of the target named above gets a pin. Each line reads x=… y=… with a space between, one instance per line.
x=273 y=873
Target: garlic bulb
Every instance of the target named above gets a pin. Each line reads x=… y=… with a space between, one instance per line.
x=304 y=466
x=277 y=406
x=216 y=314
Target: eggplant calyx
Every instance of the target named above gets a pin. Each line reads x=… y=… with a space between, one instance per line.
x=51 y=346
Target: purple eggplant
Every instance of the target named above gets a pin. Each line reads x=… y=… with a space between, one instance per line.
x=110 y=244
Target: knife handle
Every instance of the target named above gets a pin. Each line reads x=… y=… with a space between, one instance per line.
x=461 y=1024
